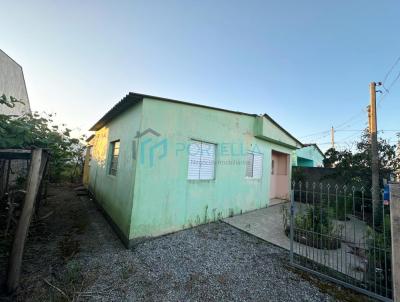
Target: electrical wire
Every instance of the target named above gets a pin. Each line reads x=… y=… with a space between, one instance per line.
x=360 y=130
x=323 y=134
x=347 y=140
x=349 y=120
x=312 y=134
x=391 y=69
x=394 y=81
x=354 y=117
x=396 y=78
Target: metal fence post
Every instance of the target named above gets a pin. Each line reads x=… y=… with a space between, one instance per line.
x=291 y=224
x=395 y=231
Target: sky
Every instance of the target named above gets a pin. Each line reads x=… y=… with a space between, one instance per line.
x=307 y=64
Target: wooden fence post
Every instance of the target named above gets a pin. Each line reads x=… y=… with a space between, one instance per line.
x=395 y=231
x=38 y=162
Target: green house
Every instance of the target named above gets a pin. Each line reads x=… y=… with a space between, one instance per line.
x=158 y=165
x=308 y=156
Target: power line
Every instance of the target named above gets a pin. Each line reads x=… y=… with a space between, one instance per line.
x=391 y=69
x=394 y=81
x=360 y=130
x=325 y=133
x=349 y=120
x=312 y=134
x=348 y=139
x=354 y=117
x=387 y=89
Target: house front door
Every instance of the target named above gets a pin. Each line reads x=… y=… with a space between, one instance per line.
x=279 y=186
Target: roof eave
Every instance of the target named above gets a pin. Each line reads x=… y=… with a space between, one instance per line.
x=283 y=129
x=129 y=100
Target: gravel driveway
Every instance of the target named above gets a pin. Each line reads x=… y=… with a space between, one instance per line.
x=213 y=262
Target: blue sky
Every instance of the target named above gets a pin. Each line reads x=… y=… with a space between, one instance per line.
x=307 y=64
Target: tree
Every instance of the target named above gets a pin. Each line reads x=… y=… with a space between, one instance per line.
x=355 y=167
x=35 y=130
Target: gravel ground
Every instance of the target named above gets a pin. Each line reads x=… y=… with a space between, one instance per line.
x=216 y=262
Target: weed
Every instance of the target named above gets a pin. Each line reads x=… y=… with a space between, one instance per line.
x=72 y=272
x=127 y=270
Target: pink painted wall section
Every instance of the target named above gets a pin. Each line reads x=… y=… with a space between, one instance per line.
x=279 y=175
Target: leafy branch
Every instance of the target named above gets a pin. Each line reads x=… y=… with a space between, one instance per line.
x=38 y=130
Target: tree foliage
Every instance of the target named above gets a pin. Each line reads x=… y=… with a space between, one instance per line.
x=355 y=167
x=39 y=131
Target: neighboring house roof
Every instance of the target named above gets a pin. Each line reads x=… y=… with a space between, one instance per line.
x=132 y=99
x=316 y=147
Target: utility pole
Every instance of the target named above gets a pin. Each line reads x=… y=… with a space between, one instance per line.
x=333 y=138
x=374 y=148
x=369 y=120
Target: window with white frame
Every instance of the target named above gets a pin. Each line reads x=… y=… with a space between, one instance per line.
x=201 y=161
x=114 y=158
x=254 y=164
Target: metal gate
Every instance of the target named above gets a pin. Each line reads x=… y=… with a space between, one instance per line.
x=336 y=233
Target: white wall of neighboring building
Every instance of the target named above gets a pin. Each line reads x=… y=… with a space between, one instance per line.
x=12 y=84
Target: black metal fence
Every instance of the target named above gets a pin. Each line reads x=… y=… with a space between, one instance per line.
x=340 y=233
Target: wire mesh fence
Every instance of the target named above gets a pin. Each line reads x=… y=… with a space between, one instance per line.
x=340 y=233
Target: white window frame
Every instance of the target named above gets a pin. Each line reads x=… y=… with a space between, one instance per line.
x=201 y=160
x=256 y=160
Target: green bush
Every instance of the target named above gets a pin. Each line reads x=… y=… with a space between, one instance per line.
x=314 y=227
x=39 y=131
x=379 y=268
x=340 y=208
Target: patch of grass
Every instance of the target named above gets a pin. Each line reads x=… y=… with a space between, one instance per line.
x=338 y=292
x=72 y=272
x=127 y=270
x=66 y=288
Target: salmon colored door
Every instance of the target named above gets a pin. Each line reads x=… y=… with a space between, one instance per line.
x=279 y=187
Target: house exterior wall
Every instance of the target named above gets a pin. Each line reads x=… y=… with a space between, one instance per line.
x=115 y=193
x=305 y=162
x=87 y=164
x=165 y=200
x=265 y=129
x=12 y=84
x=308 y=157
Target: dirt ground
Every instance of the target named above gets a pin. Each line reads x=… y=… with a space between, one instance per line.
x=72 y=254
